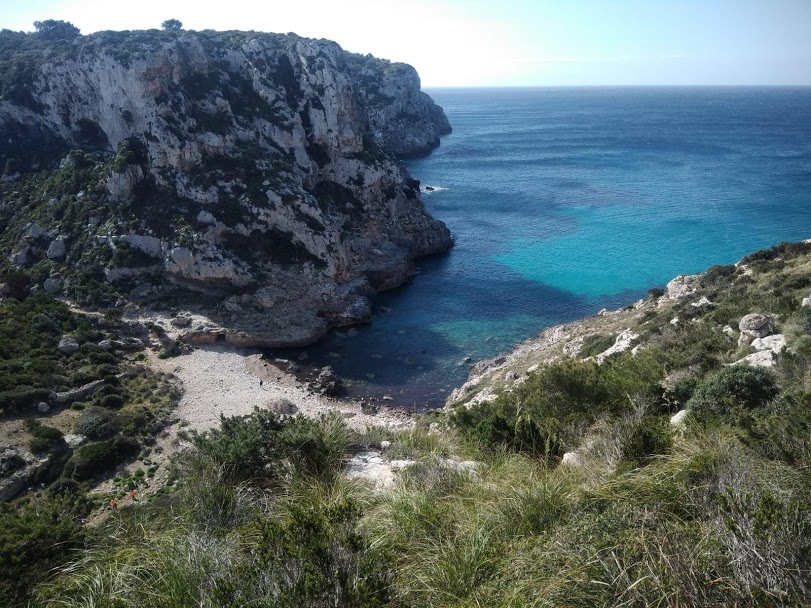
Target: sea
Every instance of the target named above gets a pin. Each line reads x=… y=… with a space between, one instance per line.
x=564 y=201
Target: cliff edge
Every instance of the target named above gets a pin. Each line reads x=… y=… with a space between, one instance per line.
x=252 y=176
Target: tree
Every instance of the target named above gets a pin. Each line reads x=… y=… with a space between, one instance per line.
x=52 y=29
x=172 y=25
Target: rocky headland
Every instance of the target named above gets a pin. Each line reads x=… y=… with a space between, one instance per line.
x=250 y=178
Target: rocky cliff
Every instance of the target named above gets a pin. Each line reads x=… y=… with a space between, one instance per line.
x=252 y=175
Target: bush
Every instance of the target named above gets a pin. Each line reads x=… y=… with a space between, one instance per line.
x=553 y=407
x=44 y=438
x=97 y=423
x=96 y=458
x=734 y=387
x=263 y=445
x=649 y=437
x=113 y=401
x=34 y=538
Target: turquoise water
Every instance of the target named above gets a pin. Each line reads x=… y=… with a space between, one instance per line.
x=565 y=201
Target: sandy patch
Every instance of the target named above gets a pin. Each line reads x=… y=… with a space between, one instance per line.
x=222 y=381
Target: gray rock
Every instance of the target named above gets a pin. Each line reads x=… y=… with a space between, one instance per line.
x=181 y=321
x=57 y=249
x=35 y=231
x=148 y=245
x=68 y=345
x=10 y=460
x=204 y=217
x=754 y=326
x=510 y=376
x=22 y=257
x=43 y=408
x=327 y=382
x=52 y=286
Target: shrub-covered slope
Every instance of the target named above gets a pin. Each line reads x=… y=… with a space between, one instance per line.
x=574 y=485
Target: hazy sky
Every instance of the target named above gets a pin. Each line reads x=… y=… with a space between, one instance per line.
x=506 y=42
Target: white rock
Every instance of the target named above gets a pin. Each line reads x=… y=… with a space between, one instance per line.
x=385 y=445
x=572 y=459
x=75 y=440
x=674 y=321
x=510 y=376
x=682 y=286
x=621 y=344
x=806 y=301
x=763 y=358
x=727 y=330
x=678 y=418
x=702 y=302
x=774 y=343
x=43 y=407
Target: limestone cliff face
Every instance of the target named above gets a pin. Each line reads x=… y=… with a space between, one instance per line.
x=256 y=170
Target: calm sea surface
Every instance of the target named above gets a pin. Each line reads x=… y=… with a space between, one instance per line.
x=566 y=201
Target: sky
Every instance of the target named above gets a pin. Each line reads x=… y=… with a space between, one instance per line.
x=504 y=42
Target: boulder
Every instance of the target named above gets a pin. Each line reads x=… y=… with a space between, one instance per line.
x=68 y=345
x=181 y=321
x=754 y=326
x=52 y=286
x=763 y=358
x=774 y=343
x=43 y=408
x=327 y=382
x=22 y=257
x=205 y=217
x=35 y=231
x=57 y=249
x=806 y=301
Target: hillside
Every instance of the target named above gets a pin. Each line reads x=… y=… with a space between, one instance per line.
x=250 y=177
x=654 y=455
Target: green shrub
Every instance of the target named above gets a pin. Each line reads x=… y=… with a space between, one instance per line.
x=263 y=445
x=649 y=437
x=113 y=401
x=93 y=459
x=34 y=538
x=734 y=387
x=555 y=405
x=97 y=423
x=44 y=438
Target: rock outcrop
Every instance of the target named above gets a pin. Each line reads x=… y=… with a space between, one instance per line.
x=258 y=173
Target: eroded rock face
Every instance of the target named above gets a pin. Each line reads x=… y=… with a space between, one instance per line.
x=235 y=163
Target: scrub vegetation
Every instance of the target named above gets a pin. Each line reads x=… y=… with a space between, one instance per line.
x=713 y=511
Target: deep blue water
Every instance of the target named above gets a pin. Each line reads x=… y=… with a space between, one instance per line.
x=564 y=201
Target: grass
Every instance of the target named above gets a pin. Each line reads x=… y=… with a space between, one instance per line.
x=711 y=513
